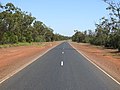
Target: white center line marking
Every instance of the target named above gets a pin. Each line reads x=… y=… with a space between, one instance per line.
x=62 y=52
x=62 y=63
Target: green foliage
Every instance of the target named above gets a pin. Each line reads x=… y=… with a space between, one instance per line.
x=13 y=38
x=119 y=46
x=20 y=26
x=5 y=39
x=58 y=37
x=39 y=39
x=107 y=32
x=78 y=37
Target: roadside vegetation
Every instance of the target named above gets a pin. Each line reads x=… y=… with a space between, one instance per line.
x=17 y=26
x=24 y=44
x=107 y=32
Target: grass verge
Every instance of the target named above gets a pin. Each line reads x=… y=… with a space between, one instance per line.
x=23 y=44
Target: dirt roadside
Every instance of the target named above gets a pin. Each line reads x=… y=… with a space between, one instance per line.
x=15 y=57
x=107 y=59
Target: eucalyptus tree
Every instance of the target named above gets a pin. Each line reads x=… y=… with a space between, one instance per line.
x=114 y=8
x=38 y=31
x=78 y=37
x=7 y=22
x=20 y=26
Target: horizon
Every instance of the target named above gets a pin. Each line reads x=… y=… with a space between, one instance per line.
x=65 y=16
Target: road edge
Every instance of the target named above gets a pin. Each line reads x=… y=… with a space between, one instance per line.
x=96 y=65
x=25 y=65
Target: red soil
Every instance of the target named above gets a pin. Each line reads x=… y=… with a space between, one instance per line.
x=107 y=59
x=15 y=57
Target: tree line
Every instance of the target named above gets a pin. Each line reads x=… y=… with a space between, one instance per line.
x=107 y=32
x=20 y=26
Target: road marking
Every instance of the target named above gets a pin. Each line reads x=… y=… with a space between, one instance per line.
x=62 y=63
x=96 y=65
x=24 y=66
x=62 y=52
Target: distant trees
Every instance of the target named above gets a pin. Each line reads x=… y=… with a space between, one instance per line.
x=59 y=37
x=107 y=32
x=20 y=26
x=78 y=37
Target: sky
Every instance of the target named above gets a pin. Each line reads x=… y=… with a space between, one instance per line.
x=64 y=16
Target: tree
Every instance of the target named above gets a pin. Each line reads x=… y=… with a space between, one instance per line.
x=20 y=26
x=114 y=8
x=78 y=37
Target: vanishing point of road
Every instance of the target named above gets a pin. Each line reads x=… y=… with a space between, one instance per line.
x=62 y=68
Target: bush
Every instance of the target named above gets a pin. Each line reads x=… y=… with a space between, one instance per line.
x=29 y=39
x=5 y=38
x=39 y=39
x=119 y=45
x=22 y=39
x=13 y=39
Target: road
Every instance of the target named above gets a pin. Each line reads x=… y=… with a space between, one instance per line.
x=62 y=68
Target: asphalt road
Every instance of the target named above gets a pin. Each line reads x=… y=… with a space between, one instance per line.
x=62 y=68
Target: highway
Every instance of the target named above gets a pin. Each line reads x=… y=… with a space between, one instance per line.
x=62 y=68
